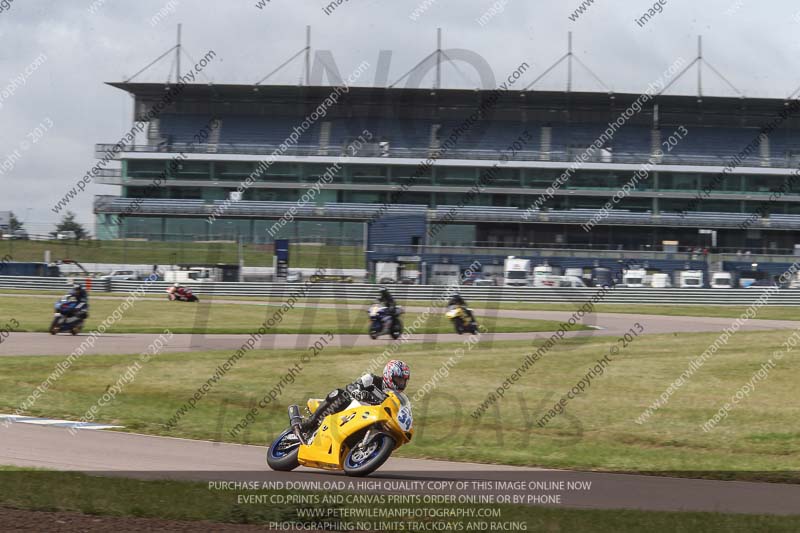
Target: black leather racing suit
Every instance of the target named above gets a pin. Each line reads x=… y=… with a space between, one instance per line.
x=368 y=389
x=82 y=309
x=387 y=299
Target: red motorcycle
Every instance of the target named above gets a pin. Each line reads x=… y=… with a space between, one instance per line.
x=181 y=294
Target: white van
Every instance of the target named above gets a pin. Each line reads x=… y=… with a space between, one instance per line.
x=558 y=281
x=192 y=274
x=121 y=275
x=572 y=281
x=660 y=280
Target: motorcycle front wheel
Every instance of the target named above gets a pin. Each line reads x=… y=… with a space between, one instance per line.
x=374 y=330
x=364 y=461
x=54 y=326
x=282 y=453
x=397 y=328
x=459 y=325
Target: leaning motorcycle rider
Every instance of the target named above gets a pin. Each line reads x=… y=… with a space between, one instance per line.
x=368 y=389
x=178 y=290
x=82 y=297
x=456 y=299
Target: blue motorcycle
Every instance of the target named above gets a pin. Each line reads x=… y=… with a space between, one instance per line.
x=381 y=321
x=67 y=316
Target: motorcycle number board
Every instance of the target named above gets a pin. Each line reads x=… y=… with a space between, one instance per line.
x=404 y=418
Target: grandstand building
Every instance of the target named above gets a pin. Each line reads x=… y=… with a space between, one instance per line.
x=456 y=167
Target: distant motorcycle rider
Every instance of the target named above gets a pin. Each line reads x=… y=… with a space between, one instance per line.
x=368 y=389
x=178 y=290
x=82 y=297
x=386 y=298
x=456 y=299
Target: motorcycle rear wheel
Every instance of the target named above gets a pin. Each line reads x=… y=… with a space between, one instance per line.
x=282 y=456
x=362 y=462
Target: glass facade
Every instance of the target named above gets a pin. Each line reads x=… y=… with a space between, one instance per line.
x=228 y=229
x=444 y=175
x=454 y=235
x=585 y=189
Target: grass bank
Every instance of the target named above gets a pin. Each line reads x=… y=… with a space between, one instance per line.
x=759 y=439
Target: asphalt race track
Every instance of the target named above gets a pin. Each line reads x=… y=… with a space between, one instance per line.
x=610 y=324
x=150 y=457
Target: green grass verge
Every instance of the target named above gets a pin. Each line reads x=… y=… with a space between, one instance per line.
x=776 y=312
x=153 y=316
x=758 y=440
x=773 y=312
x=177 y=500
x=155 y=252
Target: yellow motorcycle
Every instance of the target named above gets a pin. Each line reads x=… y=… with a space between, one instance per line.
x=462 y=319
x=357 y=440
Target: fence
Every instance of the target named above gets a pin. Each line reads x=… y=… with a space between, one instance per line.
x=364 y=292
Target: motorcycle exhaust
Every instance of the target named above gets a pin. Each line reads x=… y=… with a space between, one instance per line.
x=295 y=420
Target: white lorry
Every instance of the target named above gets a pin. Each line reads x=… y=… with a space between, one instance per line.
x=445 y=274
x=635 y=277
x=516 y=272
x=386 y=272
x=721 y=280
x=690 y=279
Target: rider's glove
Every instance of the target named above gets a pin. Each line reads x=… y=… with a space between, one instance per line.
x=365 y=381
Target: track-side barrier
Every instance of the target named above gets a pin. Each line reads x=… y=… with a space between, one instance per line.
x=366 y=292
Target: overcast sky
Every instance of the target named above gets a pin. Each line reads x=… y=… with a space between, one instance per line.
x=754 y=46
